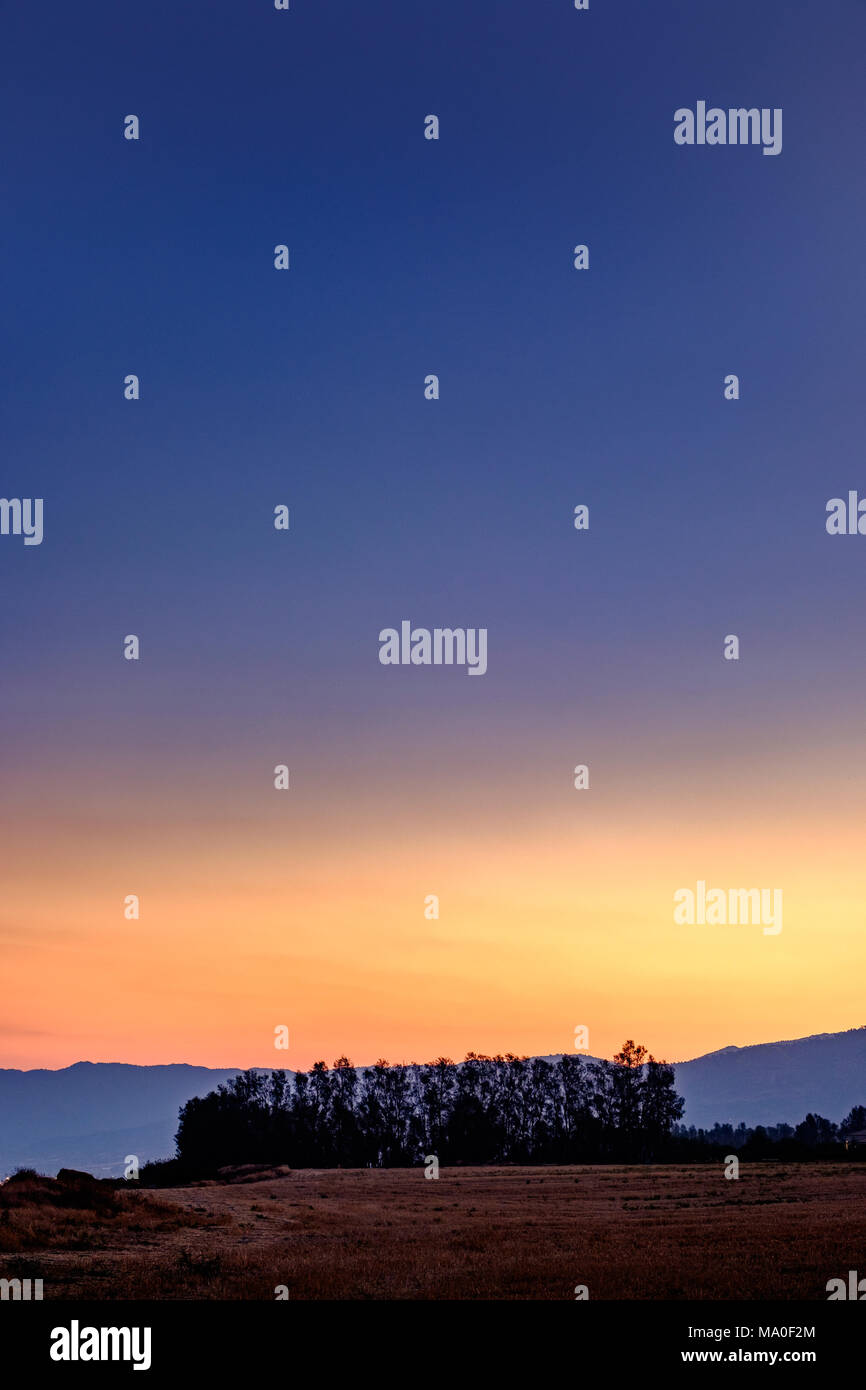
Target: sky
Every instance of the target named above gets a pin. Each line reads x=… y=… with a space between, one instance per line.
x=605 y=387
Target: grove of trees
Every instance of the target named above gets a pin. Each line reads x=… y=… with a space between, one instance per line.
x=484 y=1110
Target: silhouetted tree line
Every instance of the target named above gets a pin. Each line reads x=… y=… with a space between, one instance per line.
x=814 y=1138
x=485 y=1110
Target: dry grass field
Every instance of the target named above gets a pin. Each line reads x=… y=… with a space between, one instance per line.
x=779 y=1232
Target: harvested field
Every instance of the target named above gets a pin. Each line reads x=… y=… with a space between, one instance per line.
x=658 y=1232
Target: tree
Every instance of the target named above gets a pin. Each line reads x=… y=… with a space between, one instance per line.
x=342 y=1114
x=436 y=1087
x=627 y=1085
x=661 y=1107
x=815 y=1130
x=576 y=1126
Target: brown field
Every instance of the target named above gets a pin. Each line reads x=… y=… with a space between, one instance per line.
x=779 y=1232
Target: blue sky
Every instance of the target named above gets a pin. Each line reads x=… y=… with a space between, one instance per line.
x=411 y=257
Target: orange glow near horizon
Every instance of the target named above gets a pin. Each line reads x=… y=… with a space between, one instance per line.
x=544 y=926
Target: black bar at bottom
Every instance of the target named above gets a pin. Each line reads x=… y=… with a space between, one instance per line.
x=230 y=1339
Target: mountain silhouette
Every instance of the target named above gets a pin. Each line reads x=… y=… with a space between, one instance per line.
x=93 y=1114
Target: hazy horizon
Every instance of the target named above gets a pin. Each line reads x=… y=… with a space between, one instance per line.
x=272 y=1065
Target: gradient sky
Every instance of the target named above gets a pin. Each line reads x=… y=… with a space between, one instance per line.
x=409 y=257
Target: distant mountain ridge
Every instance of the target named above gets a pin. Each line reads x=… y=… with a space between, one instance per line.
x=92 y=1114
x=769 y=1083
